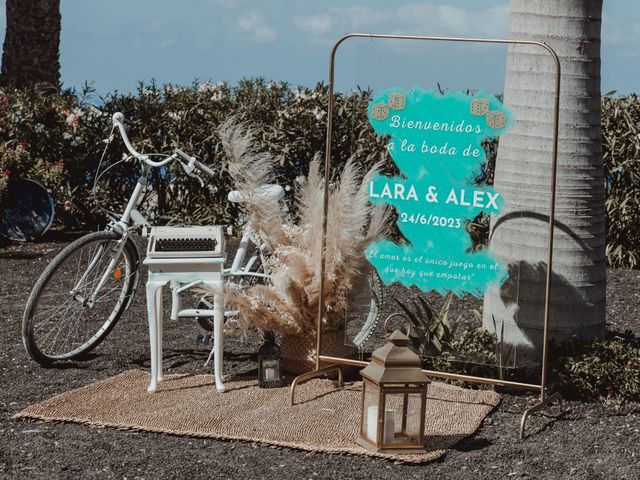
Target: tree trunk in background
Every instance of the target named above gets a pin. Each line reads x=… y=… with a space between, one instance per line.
x=32 y=43
x=519 y=234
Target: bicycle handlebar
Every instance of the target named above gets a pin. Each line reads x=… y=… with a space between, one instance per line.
x=192 y=162
x=118 y=121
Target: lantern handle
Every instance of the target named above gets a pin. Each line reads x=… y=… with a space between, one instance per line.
x=407 y=323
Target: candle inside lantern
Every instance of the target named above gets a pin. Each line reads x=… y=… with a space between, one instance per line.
x=269 y=373
x=372 y=425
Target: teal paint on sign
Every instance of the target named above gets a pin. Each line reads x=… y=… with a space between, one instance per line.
x=436 y=142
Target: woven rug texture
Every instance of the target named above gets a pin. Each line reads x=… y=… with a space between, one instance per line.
x=324 y=419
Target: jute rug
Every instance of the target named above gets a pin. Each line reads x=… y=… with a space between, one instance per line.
x=324 y=419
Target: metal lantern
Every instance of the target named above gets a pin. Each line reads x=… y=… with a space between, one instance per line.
x=269 y=360
x=394 y=391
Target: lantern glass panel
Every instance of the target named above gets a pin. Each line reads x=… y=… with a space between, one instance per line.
x=403 y=417
x=371 y=398
x=270 y=370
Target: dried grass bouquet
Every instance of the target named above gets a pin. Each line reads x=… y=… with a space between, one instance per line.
x=288 y=302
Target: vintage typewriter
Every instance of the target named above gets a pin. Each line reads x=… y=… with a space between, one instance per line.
x=186 y=242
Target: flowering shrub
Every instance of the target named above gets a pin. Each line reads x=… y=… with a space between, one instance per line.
x=17 y=161
x=41 y=138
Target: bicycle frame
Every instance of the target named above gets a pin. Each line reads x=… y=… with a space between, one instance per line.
x=237 y=269
x=123 y=227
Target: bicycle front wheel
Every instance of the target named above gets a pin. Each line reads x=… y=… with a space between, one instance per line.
x=67 y=315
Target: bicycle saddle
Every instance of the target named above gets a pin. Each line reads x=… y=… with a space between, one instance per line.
x=264 y=193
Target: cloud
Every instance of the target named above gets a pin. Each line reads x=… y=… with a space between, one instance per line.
x=316 y=25
x=227 y=4
x=447 y=20
x=327 y=25
x=255 y=28
x=454 y=18
x=167 y=42
x=416 y=18
x=157 y=25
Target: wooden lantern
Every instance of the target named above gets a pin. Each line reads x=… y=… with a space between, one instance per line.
x=394 y=391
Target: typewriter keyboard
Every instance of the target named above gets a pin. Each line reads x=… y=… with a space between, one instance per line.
x=185 y=244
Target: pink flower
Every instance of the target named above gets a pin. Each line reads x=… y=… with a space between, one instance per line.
x=6 y=171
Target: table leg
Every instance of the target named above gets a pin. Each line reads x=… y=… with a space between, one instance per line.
x=218 y=335
x=152 y=289
x=159 y=326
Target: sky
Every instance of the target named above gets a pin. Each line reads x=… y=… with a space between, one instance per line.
x=114 y=44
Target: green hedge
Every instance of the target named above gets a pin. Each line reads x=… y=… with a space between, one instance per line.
x=59 y=139
x=621 y=149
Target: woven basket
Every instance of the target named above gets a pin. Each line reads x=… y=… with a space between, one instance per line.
x=299 y=352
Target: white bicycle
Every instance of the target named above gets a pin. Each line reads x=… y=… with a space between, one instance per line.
x=84 y=290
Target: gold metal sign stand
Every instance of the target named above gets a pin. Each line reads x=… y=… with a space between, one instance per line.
x=334 y=364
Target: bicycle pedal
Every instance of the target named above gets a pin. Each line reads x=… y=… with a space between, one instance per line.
x=204 y=338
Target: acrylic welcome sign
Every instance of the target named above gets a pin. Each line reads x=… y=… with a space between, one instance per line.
x=436 y=142
x=438 y=277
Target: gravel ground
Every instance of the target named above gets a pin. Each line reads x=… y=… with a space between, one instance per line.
x=585 y=441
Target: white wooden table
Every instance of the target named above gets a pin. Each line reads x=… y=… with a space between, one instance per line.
x=180 y=273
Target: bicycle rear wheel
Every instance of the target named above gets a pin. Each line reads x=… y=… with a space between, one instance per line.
x=365 y=304
x=254 y=265
x=27 y=210
x=60 y=321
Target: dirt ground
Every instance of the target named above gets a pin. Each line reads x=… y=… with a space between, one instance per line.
x=585 y=441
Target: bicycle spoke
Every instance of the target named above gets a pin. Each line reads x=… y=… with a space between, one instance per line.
x=58 y=294
x=114 y=289
x=58 y=326
x=54 y=310
x=97 y=271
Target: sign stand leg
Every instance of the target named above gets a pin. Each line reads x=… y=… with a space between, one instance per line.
x=543 y=403
x=318 y=372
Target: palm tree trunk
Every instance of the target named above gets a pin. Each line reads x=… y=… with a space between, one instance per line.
x=519 y=235
x=32 y=43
